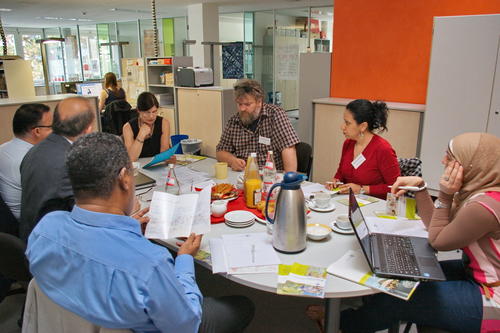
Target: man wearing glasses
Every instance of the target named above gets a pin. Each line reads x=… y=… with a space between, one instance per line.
x=31 y=124
x=257 y=127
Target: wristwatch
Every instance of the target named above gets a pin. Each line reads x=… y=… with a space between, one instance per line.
x=362 y=190
x=438 y=204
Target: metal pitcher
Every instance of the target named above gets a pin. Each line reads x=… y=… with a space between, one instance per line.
x=289 y=222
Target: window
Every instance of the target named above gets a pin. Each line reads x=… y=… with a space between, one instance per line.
x=90 y=52
x=11 y=45
x=32 y=52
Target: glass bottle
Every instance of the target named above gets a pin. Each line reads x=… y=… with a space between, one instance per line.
x=269 y=175
x=171 y=184
x=253 y=182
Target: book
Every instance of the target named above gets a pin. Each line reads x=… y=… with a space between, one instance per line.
x=161 y=157
x=353 y=267
x=173 y=216
x=301 y=280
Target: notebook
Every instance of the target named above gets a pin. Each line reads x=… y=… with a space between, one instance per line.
x=396 y=256
x=143 y=181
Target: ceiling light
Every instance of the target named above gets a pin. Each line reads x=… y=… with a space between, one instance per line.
x=5 y=10
x=129 y=10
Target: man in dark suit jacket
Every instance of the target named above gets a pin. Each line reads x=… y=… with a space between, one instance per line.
x=43 y=171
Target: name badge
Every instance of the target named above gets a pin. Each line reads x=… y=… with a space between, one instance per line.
x=264 y=140
x=358 y=161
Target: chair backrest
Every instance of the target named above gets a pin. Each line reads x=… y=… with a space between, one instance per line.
x=304 y=158
x=8 y=222
x=410 y=166
x=42 y=315
x=175 y=139
x=13 y=262
x=116 y=114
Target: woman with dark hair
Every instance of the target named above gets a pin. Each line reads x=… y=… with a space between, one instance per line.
x=368 y=164
x=111 y=91
x=148 y=134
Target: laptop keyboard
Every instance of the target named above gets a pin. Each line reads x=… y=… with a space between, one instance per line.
x=399 y=255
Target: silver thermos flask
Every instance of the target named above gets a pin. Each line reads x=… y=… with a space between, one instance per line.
x=289 y=222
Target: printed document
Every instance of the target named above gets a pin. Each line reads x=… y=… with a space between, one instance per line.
x=179 y=215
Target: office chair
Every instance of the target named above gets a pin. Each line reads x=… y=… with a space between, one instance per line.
x=304 y=158
x=116 y=114
x=8 y=222
x=42 y=315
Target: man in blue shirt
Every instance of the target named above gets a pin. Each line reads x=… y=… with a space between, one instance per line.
x=95 y=262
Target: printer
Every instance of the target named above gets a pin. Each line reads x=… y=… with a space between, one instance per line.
x=194 y=77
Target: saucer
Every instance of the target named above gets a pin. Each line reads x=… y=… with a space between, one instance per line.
x=338 y=230
x=312 y=206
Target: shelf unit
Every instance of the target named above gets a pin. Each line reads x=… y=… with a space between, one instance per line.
x=16 y=79
x=155 y=67
x=158 y=67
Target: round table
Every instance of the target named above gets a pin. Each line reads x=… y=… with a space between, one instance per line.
x=317 y=253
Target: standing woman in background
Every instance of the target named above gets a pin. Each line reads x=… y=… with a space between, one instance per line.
x=368 y=164
x=111 y=91
x=148 y=134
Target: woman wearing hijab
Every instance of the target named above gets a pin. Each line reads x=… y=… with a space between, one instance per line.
x=465 y=216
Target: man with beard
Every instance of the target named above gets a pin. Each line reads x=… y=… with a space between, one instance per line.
x=257 y=127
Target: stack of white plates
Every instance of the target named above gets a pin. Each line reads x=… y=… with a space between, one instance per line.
x=239 y=219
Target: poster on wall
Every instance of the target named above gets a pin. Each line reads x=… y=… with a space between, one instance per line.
x=232 y=61
x=288 y=62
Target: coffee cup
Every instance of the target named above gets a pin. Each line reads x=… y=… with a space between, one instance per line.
x=322 y=200
x=342 y=221
x=218 y=208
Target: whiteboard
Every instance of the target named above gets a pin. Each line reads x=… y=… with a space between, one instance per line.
x=461 y=76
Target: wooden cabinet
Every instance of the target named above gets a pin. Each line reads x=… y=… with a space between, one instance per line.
x=463 y=93
x=16 y=79
x=203 y=113
x=403 y=134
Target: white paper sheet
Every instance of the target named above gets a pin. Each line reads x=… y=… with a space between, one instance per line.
x=219 y=263
x=187 y=177
x=249 y=250
x=400 y=226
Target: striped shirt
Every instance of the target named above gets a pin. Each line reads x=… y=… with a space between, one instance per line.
x=484 y=256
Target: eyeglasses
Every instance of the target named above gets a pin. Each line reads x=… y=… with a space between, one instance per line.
x=46 y=126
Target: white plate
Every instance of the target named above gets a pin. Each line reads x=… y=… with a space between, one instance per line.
x=240 y=225
x=312 y=206
x=338 y=230
x=239 y=216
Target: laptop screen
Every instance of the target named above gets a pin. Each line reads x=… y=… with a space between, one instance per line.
x=359 y=224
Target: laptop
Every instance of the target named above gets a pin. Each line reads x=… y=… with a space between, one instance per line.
x=142 y=181
x=394 y=256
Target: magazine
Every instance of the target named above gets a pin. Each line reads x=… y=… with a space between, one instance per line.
x=301 y=280
x=353 y=267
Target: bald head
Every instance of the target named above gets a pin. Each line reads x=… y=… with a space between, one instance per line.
x=73 y=116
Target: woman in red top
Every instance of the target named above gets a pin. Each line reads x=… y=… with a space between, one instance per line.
x=368 y=164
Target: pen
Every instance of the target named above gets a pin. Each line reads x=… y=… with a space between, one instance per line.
x=408 y=188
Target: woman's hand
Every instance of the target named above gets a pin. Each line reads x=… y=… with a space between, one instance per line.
x=451 y=180
x=344 y=189
x=144 y=132
x=331 y=185
x=406 y=181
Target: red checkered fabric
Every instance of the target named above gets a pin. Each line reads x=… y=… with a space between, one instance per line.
x=273 y=124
